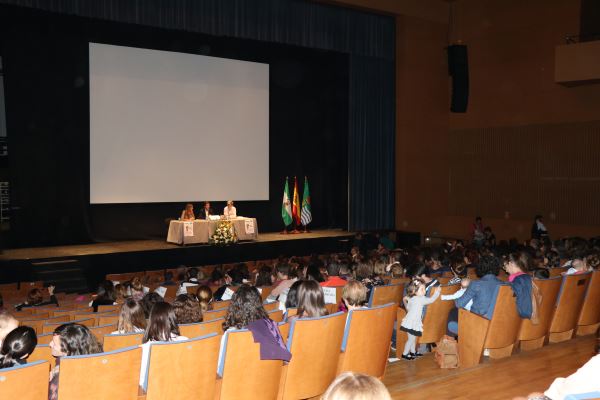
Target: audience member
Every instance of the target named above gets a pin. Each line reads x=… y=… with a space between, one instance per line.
x=17 y=346
x=311 y=300
x=246 y=306
x=187 y=309
x=35 y=298
x=131 y=318
x=162 y=327
x=355 y=386
x=148 y=302
x=283 y=281
x=70 y=340
x=264 y=277
x=7 y=324
x=204 y=295
x=354 y=295
x=521 y=283
x=105 y=295
x=414 y=302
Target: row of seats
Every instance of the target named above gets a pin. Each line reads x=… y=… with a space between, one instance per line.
x=321 y=349
x=570 y=306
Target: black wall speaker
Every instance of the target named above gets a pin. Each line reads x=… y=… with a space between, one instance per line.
x=458 y=68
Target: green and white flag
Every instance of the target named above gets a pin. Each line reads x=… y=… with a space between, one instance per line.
x=306 y=217
x=286 y=207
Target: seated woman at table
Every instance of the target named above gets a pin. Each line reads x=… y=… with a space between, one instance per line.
x=188 y=213
x=229 y=211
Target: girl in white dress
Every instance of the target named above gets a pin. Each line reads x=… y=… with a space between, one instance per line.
x=412 y=324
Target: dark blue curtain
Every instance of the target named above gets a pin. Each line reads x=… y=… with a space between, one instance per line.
x=368 y=38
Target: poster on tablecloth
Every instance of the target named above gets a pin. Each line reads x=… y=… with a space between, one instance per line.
x=249 y=225
x=188 y=229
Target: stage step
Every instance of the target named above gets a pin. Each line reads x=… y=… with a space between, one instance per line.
x=67 y=275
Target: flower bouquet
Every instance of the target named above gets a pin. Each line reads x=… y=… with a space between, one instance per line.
x=224 y=234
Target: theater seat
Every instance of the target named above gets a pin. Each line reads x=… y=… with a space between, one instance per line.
x=212 y=315
x=366 y=342
x=532 y=336
x=49 y=327
x=241 y=372
x=498 y=334
x=315 y=345
x=202 y=328
x=101 y=331
x=589 y=317
x=568 y=305
x=276 y=315
x=121 y=341
x=435 y=319
x=218 y=305
x=111 y=375
x=25 y=382
x=272 y=306
x=386 y=294
x=42 y=352
x=183 y=370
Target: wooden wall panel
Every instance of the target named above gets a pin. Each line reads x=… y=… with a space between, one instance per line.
x=516 y=172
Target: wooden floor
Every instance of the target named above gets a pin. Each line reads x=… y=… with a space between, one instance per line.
x=518 y=375
x=146 y=245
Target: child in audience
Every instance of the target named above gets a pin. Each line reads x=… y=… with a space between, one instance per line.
x=264 y=277
x=578 y=266
x=412 y=324
x=354 y=295
x=7 y=324
x=35 y=298
x=70 y=340
x=204 y=295
x=121 y=293
x=132 y=318
x=187 y=309
x=354 y=386
x=17 y=346
x=311 y=300
x=459 y=271
x=421 y=272
x=162 y=327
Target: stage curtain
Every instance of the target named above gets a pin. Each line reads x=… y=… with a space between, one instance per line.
x=368 y=38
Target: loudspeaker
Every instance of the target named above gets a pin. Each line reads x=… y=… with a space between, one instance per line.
x=458 y=68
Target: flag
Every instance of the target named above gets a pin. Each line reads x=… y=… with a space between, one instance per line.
x=306 y=217
x=286 y=208
x=296 y=203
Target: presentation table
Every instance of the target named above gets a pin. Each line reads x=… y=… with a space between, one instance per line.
x=199 y=231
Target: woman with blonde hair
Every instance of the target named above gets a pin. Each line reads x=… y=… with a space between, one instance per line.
x=205 y=297
x=353 y=386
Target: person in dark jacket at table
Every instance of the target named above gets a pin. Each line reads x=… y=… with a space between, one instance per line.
x=35 y=298
x=206 y=211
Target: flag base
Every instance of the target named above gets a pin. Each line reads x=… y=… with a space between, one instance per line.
x=306 y=230
x=295 y=231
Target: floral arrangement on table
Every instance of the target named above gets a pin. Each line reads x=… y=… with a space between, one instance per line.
x=224 y=234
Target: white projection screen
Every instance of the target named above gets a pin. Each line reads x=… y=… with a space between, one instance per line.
x=176 y=127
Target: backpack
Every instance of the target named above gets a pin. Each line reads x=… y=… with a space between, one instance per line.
x=446 y=352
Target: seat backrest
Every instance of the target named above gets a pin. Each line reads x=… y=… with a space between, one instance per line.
x=290 y=312
x=435 y=320
x=212 y=315
x=265 y=291
x=366 y=341
x=109 y=308
x=121 y=341
x=243 y=375
x=42 y=352
x=38 y=324
x=116 y=375
x=49 y=327
x=45 y=338
x=569 y=301
x=381 y=295
x=218 y=305
x=25 y=382
x=315 y=345
x=70 y=313
x=549 y=291
x=590 y=310
x=276 y=315
x=505 y=322
x=202 y=328
x=272 y=306
x=183 y=369
x=108 y=320
x=102 y=330
x=284 y=329
x=557 y=271
x=94 y=315
x=331 y=308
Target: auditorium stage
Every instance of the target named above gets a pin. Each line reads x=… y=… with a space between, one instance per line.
x=92 y=261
